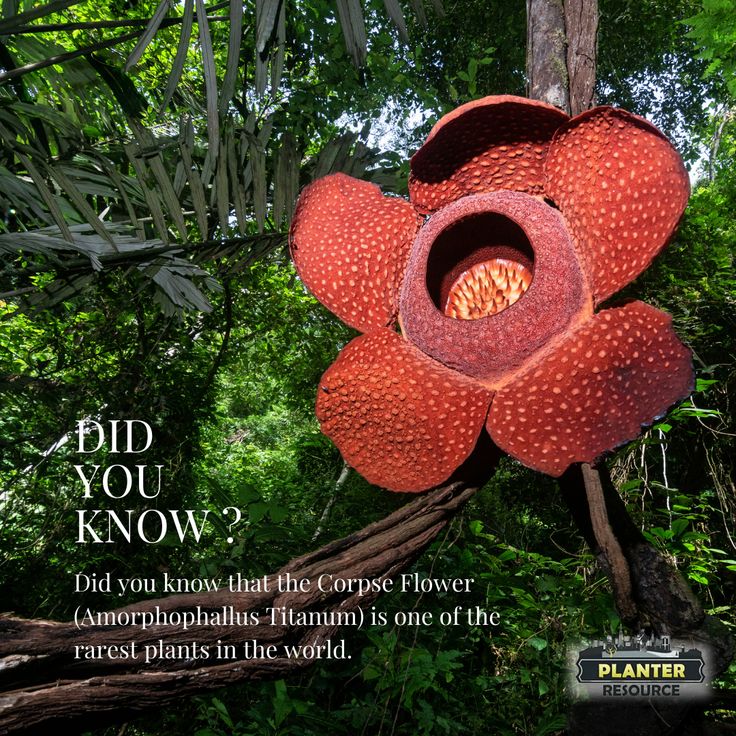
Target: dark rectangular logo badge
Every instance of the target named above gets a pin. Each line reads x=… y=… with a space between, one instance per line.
x=639 y=669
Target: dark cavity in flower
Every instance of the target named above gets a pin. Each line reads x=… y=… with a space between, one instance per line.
x=479 y=266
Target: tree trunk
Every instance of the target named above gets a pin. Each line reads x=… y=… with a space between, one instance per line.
x=581 y=24
x=546 y=53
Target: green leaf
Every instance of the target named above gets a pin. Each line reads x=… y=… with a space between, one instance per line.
x=537 y=643
x=210 y=78
x=233 y=55
x=177 y=66
x=257 y=511
x=148 y=34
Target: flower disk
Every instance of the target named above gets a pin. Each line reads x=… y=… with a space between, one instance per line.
x=487 y=288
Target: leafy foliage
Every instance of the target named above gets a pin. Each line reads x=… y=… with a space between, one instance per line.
x=713 y=29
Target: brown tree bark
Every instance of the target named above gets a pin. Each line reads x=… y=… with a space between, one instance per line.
x=546 y=53
x=581 y=33
x=43 y=685
x=561 y=52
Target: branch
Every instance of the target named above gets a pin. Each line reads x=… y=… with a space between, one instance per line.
x=344 y=473
x=43 y=685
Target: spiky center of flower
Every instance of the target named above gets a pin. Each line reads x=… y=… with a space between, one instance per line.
x=487 y=288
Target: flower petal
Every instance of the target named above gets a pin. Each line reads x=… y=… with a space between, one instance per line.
x=486 y=145
x=350 y=245
x=594 y=390
x=622 y=188
x=400 y=419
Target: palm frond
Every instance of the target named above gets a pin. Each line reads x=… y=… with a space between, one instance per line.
x=11 y=24
x=210 y=76
x=350 y=15
x=148 y=34
x=176 y=279
x=233 y=55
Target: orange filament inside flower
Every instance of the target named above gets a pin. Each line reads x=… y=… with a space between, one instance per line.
x=487 y=288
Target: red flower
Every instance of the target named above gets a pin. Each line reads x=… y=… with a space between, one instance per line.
x=536 y=219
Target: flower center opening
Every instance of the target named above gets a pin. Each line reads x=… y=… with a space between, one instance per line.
x=479 y=265
x=487 y=288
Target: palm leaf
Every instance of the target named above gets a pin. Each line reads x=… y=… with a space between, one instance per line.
x=177 y=67
x=195 y=182
x=210 y=76
x=21 y=195
x=350 y=15
x=117 y=181
x=277 y=62
x=418 y=7
x=286 y=181
x=80 y=202
x=148 y=34
x=397 y=17
x=48 y=198
x=173 y=276
x=438 y=8
x=221 y=187
x=266 y=11
x=152 y=199
x=156 y=164
x=12 y=24
x=233 y=55
x=236 y=186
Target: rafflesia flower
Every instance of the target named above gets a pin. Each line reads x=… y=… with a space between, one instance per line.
x=534 y=221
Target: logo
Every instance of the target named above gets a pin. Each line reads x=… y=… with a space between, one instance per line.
x=640 y=667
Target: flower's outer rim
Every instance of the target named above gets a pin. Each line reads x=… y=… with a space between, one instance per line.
x=487 y=101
